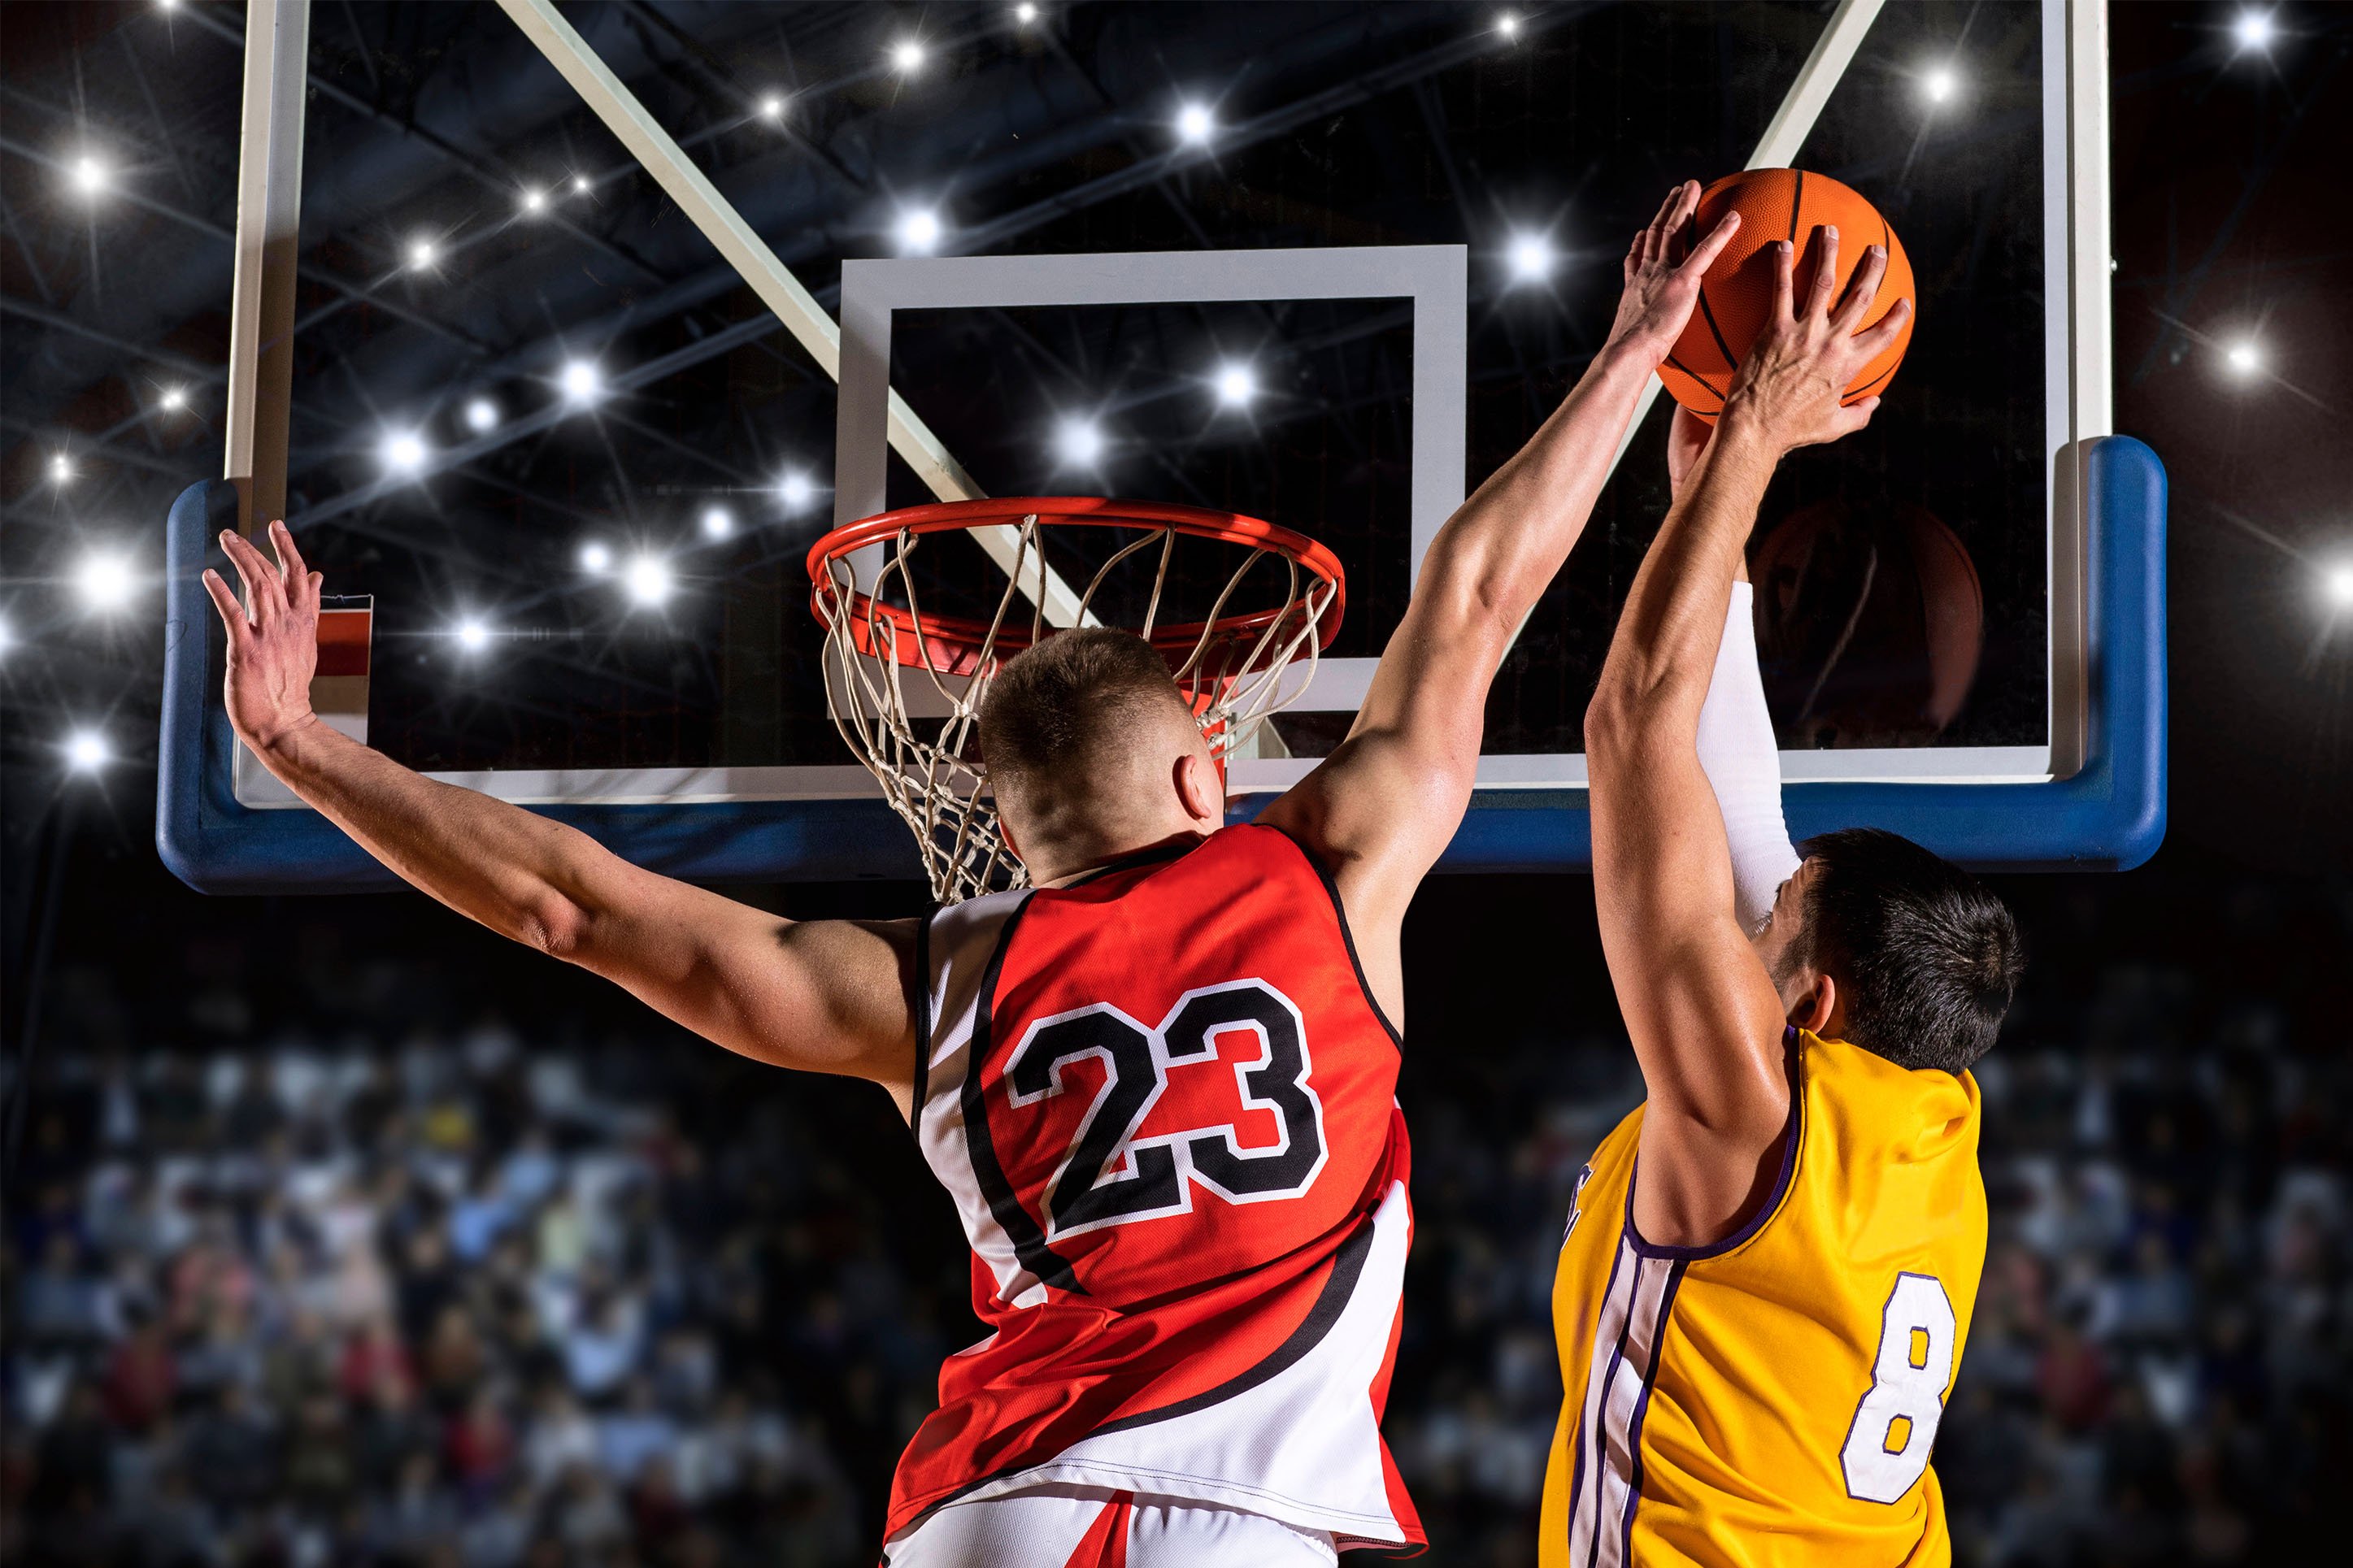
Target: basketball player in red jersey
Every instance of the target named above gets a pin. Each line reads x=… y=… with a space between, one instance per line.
x=1158 y=1082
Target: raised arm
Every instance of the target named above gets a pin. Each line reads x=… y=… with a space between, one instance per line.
x=1706 y=1020
x=825 y=996
x=1381 y=808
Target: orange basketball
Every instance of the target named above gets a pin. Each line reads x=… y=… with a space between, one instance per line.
x=1738 y=294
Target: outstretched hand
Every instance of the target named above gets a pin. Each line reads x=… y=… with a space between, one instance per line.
x=273 y=650
x=1662 y=287
x=1790 y=388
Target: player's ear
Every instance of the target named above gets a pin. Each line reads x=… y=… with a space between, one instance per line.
x=1815 y=1010
x=1198 y=788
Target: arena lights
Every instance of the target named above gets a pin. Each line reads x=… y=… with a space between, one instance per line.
x=534 y=199
x=481 y=415
x=772 y=106
x=647 y=579
x=1530 y=258
x=718 y=522
x=174 y=398
x=919 y=230
x=2254 y=29
x=1939 y=83
x=581 y=380
x=61 y=468
x=1078 y=443
x=2245 y=359
x=89 y=174
x=422 y=253
x=1194 y=124
x=472 y=635
x=796 y=488
x=7 y=637
x=103 y=580
x=595 y=559
x=582 y=184
x=1236 y=384
x=1025 y=12
x=2337 y=585
x=907 y=57
x=1508 y=25
x=86 y=751
x=403 y=451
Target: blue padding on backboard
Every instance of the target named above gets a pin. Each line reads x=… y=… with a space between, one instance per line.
x=2109 y=817
x=218 y=845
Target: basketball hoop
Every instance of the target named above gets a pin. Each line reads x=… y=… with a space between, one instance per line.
x=905 y=684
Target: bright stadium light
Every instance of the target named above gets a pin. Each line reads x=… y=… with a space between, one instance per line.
x=1078 y=443
x=89 y=174
x=1508 y=24
x=1236 y=384
x=103 y=580
x=2245 y=358
x=919 y=230
x=1530 y=256
x=534 y=199
x=87 y=751
x=907 y=57
x=1025 y=12
x=7 y=637
x=771 y=106
x=2254 y=29
x=581 y=185
x=796 y=488
x=481 y=415
x=422 y=254
x=472 y=635
x=595 y=559
x=718 y=522
x=403 y=451
x=174 y=398
x=646 y=577
x=1194 y=124
x=1939 y=83
x=61 y=468
x=2337 y=585
x=581 y=381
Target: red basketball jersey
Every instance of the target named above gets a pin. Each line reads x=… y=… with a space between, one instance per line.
x=1165 y=1103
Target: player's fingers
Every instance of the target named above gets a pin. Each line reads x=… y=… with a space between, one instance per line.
x=1683 y=205
x=263 y=593
x=1855 y=417
x=1826 y=253
x=290 y=559
x=1873 y=341
x=1670 y=211
x=232 y=613
x=1784 y=284
x=1705 y=253
x=1862 y=290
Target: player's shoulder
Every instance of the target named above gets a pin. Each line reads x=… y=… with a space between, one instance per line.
x=1876 y=1109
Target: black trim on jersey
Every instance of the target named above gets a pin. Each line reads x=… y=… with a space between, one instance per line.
x=922 y=1011
x=1020 y=1227
x=1347 y=937
x=1129 y=863
x=1793 y=1134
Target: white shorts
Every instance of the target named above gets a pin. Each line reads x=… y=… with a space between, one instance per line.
x=1093 y=1527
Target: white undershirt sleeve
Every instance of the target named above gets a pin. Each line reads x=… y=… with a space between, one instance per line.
x=1743 y=763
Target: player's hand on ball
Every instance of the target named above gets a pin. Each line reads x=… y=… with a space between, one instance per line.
x=272 y=650
x=1660 y=287
x=1789 y=387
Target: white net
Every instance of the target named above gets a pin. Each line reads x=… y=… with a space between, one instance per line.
x=905 y=686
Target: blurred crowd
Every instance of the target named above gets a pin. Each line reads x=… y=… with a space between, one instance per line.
x=475 y=1298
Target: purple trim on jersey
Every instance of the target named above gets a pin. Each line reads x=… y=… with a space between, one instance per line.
x=1642 y=1408
x=1793 y=1133
x=1576 y=1449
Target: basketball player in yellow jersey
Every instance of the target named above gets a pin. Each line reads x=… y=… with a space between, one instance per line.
x=1767 y=1276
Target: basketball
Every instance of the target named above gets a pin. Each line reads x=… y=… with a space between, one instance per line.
x=1775 y=205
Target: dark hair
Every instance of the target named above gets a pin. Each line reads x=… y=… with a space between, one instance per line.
x=1925 y=956
x=1056 y=706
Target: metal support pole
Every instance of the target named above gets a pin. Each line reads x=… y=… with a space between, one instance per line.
x=269 y=251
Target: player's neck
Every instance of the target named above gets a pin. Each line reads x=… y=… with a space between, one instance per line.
x=1061 y=871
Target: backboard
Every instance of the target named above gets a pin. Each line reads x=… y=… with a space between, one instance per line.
x=1340 y=314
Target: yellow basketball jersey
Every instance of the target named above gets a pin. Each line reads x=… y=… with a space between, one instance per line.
x=1772 y=1398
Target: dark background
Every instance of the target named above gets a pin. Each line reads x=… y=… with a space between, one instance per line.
x=2159 y=1368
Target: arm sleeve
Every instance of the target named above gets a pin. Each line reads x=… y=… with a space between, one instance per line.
x=1743 y=763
